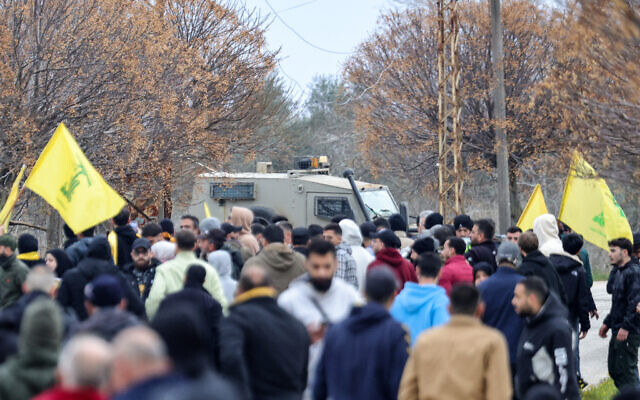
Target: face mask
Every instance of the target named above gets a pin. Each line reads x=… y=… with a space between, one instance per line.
x=321 y=285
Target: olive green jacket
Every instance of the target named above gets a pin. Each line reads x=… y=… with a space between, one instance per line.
x=13 y=273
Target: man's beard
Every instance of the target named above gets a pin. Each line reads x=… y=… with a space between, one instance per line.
x=321 y=285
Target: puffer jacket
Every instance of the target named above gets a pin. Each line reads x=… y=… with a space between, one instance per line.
x=545 y=352
x=283 y=265
x=97 y=262
x=78 y=250
x=624 y=287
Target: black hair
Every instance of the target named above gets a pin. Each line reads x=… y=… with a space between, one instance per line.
x=315 y=230
x=443 y=233
x=196 y=274
x=278 y=218
x=217 y=237
x=380 y=222
x=536 y=286
x=68 y=233
x=381 y=284
x=397 y=223
x=89 y=232
x=337 y=218
x=300 y=237
x=487 y=228
x=333 y=227
x=622 y=243
x=257 y=229
x=457 y=244
x=321 y=247
x=464 y=299
x=195 y=220
x=186 y=240
x=273 y=234
x=285 y=226
x=151 y=229
x=514 y=229
x=572 y=243
x=429 y=264
x=122 y=218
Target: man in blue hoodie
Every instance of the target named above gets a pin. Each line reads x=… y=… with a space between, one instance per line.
x=364 y=355
x=422 y=305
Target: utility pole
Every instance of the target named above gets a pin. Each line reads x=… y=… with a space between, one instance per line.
x=499 y=116
x=449 y=132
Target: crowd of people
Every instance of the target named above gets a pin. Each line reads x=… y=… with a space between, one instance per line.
x=256 y=309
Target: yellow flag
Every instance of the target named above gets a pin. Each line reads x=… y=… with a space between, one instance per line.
x=65 y=178
x=589 y=208
x=535 y=208
x=207 y=213
x=7 y=210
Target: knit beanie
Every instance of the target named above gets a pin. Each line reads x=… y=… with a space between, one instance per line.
x=8 y=240
x=27 y=243
x=41 y=328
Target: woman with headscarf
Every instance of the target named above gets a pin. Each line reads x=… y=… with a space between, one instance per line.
x=243 y=217
x=58 y=261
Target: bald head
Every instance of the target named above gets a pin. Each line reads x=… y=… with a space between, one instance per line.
x=84 y=362
x=251 y=278
x=39 y=278
x=138 y=354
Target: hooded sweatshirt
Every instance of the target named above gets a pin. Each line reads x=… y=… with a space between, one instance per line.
x=546 y=229
x=221 y=261
x=282 y=264
x=421 y=307
x=243 y=217
x=352 y=236
x=32 y=370
x=401 y=267
x=363 y=357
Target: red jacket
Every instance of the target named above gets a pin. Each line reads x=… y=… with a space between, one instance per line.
x=58 y=393
x=401 y=267
x=455 y=270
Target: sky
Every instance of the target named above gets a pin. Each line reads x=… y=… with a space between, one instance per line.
x=335 y=26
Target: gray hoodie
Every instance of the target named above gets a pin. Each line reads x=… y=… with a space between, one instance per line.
x=352 y=236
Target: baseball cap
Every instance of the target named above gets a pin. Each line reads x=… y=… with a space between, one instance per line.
x=508 y=251
x=388 y=238
x=462 y=221
x=103 y=291
x=368 y=229
x=141 y=242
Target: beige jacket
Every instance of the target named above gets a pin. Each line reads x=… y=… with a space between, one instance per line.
x=463 y=360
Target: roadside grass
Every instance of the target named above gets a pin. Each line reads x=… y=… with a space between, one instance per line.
x=605 y=390
x=600 y=274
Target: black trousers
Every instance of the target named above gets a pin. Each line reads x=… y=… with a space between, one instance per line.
x=623 y=361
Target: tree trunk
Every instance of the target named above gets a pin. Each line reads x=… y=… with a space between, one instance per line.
x=516 y=207
x=54 y=226
x=499 y=115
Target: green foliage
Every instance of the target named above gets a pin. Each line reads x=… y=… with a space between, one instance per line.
x=603 y=391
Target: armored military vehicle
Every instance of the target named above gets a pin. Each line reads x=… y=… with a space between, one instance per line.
x=305 y=195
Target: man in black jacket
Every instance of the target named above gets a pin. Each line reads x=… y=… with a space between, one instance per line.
x=98 y=261
x=545 y=352
x=624 y=322
x=535 y=263
x=124 y=236
x=482 y=246
x=141 y=272
x=579 y=300
x=264 y=349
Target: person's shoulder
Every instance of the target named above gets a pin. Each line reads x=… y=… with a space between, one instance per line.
x=292 y=293
x=341 y=287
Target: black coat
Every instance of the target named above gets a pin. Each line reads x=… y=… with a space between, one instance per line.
x=97 y=262
x=547 y=339
x=11 y=317
x=579 y=300
x=108 y=322
x=146 y=279
x=126 y=237
x=624 y=287
x=264 y=349
x=485 y=251
x=536 y=264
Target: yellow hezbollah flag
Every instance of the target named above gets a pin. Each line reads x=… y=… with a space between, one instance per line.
x=207 y=213
x=589 y=208
x=7 y=210
x=68 y=182
x=535 y=208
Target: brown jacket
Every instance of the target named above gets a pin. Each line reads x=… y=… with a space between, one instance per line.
x=462 y=360
x=282 y=264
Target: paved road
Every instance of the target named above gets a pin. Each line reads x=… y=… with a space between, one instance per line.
x=593 y=349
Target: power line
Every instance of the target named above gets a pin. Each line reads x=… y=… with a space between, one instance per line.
x=300 y=36
x=306 y=3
